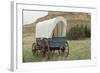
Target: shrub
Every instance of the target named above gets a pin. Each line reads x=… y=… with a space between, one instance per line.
x=78 y=32
x=87 y=32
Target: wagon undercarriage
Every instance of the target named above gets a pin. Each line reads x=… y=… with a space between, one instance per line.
x=45 y=46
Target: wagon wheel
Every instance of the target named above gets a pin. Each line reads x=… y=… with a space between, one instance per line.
x=46 y=48
x=35 y=49
x=67 y=49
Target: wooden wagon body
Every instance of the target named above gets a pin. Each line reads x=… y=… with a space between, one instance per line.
x=53 y=42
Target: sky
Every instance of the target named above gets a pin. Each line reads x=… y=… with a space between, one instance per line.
x=32 y=16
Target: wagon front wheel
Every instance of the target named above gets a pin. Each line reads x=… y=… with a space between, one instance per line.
x=35 y=49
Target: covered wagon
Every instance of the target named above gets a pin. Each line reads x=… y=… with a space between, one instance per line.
x=51 y=36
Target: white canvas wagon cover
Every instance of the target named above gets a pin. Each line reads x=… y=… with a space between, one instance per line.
x=45 y=28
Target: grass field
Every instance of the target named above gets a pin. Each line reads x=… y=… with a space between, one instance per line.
x=78 y=50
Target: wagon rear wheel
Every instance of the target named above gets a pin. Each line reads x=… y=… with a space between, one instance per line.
x=67 y=49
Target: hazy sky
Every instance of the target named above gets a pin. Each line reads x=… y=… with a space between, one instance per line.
x=32 y=16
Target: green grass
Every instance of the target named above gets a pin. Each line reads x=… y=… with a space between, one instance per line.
x=78 y=50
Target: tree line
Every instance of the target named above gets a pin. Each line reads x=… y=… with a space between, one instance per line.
x=79 y=32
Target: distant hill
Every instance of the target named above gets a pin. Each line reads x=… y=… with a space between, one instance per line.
x=72 y=18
